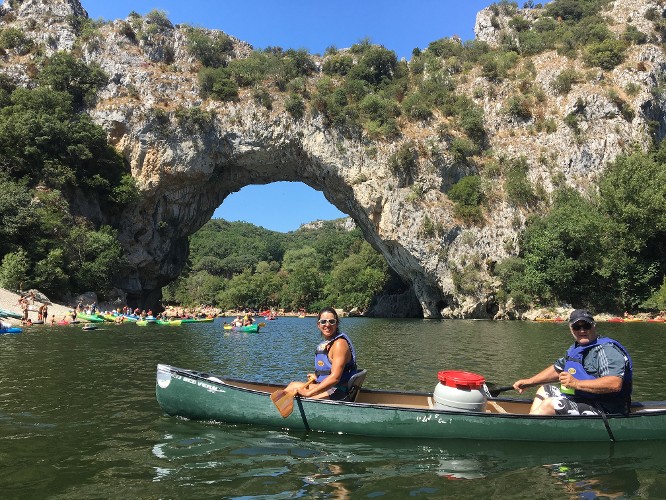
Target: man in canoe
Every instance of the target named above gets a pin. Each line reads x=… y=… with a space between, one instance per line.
x=595 y=375
x=335 y=361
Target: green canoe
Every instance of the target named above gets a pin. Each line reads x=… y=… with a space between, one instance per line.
x=202 y=396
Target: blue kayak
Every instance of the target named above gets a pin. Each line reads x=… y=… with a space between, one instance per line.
x=12 y=329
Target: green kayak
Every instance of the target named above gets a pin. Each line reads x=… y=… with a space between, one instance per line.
x=90 y=318
x=173 y=322
x=197 y=320
x=4 y=313
x=412 y=415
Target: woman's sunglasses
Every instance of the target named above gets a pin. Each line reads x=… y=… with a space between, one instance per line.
x=323 y=322
x=581 y=326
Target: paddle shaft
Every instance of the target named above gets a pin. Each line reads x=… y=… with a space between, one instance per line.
x=496 y=391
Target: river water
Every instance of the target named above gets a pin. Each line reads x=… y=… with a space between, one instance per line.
x=79 y=418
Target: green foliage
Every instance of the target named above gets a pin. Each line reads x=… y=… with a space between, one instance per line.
x=516 y=184
x=297 y=63
x=623 y=106
x=51 y=155
x=634 y=35
x=357 y=279
x=533 y=42
x=404 y=159
x=295 y=106
x=193 y=119
x=14 y=270
x=263 y=97
x=496 y=65
x=211 y=50
x=63 y=72
x=417 y=107
x=606 y=54
x=92 y=256
x=563 y=82
x=127 y=192
x=376 y=66
x=574 y=10
x=14 y=38
x=242 y=265
x=217 y=83
x=338 y=64
x=462 y=149
x=518 y=106
x=254 y=69
x=607 y=253
x=468 y=197
x=50 y=276
x=468 y=279
x=445 y=48
x=657 y=301
x=380 y=114
x=43 y=140
x=159 y=19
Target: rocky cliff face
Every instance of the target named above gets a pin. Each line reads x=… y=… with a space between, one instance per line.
x=186 y=172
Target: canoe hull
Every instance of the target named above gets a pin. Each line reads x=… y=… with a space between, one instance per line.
x=201 y=396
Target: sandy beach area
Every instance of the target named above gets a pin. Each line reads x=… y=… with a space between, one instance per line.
x=9 y=301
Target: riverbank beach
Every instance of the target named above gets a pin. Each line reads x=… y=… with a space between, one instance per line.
x=10 y=301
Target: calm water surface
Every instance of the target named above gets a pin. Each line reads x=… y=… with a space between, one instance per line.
x=79 y=419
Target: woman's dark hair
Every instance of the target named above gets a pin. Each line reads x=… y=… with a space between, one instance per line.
x=329 y=310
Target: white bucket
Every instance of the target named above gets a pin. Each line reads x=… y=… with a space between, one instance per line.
x=459 y=391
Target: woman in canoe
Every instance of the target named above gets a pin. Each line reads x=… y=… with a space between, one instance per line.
x=335 y=361
x=595 y=375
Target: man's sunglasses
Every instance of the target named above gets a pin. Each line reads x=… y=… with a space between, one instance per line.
x=581 y=326
x=323 y=322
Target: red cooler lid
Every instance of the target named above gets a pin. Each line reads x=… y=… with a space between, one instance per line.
x=455 y=378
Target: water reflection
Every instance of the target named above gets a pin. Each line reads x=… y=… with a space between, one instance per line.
x=317 y=465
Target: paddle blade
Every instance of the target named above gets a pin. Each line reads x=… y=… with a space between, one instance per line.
x=283 y=401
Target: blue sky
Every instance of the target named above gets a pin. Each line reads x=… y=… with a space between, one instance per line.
x=398 y=25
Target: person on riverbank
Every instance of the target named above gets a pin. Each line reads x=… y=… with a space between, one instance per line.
x=335 y=361
x=595 y=375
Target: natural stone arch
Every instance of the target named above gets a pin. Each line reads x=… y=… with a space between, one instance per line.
x=184 y=179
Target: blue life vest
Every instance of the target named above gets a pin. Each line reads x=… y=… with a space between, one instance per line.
x=574 y=365
x=323 y=364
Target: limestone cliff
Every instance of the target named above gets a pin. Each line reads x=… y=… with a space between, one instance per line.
x=185 y=172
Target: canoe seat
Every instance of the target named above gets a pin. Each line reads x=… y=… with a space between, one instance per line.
x=354 y=385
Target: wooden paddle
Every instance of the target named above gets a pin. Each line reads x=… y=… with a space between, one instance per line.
x=284 y=400
x=491 y=390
